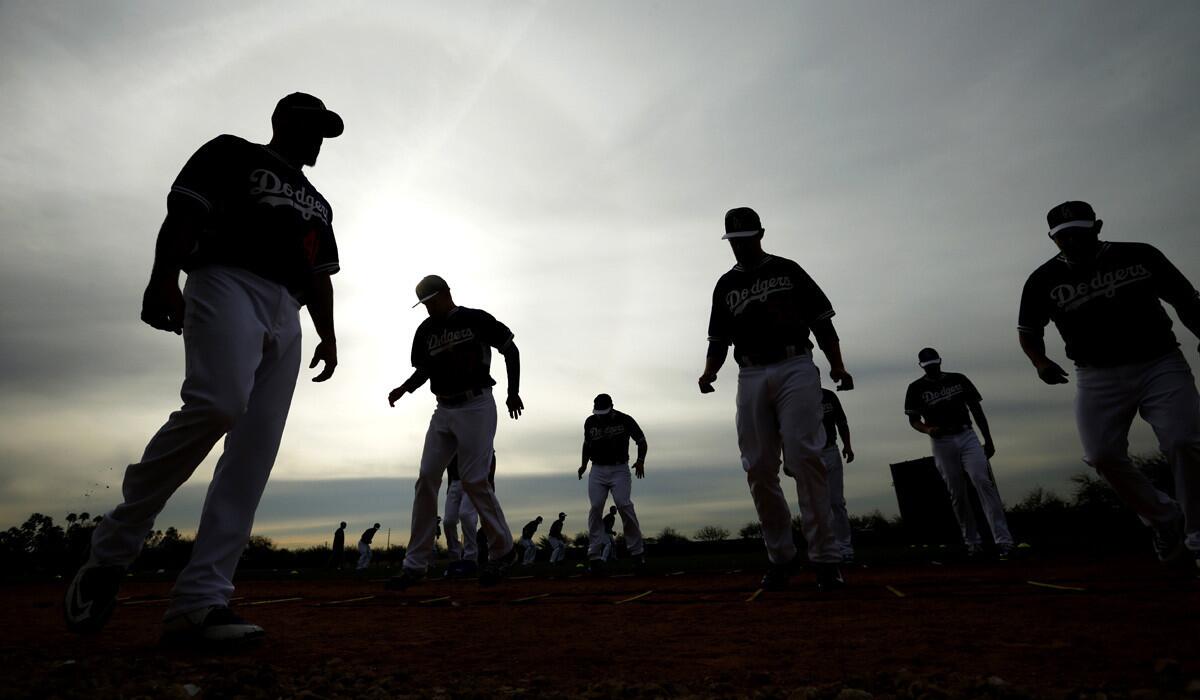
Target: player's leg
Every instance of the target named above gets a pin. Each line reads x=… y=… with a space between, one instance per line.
x=450 y=519
x=470 y=524
x=759 y=443
x=832 y=459
x=475 y=428
x=1106 y=400
x=599 y=484
x=803 y=436
x=222 y=340
x=948 y=458
x=440 y=445
x=242 y=471
x=622 y=491
x=1171 y=404
x=364 y=556
x=610 y=545
x=975 y=462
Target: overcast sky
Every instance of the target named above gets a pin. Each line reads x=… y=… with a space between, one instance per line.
x=566 y=166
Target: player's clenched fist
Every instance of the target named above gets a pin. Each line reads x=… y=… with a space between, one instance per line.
x=706 y=383
x=395 y=394
x=162 y=306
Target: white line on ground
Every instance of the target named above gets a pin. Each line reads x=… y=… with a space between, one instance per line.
x=272 y=602
x=348 y=600
x=896 y=591
x=434 y=600
x=636 y=597
x=532 y=597
x=1056 y=587
x=754 y=596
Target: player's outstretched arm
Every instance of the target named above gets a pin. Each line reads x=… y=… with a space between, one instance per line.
x=320 y=309
x=1047 y=369
x=410 y=385
x=512 y=364
x=639 y=467
x=976 y=409
x=827 y=340
x=717 y=352
x=583 y=463
x=162 y=302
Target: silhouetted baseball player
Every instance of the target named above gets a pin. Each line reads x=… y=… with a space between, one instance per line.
x=558 y=544
x=338 y=554
x=364 y=547
x=609 y=551
x=256 y=239
x=526 y=542
x=835 y=422
x=940 y=405
x=1105 y=300
x=458 y=511
x=452 y=349
x=606 y=436
x=765 y=307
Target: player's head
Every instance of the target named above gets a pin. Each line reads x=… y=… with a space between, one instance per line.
x=744 y=231
x=1074 y=228
x=434 y=293
x=612 y=509
x=538 y=519
x=439 y=518
x=342 y=524
x=376 y=526
x=300 y=124
x=930 y=360
x=602 y=405
x=562 y=516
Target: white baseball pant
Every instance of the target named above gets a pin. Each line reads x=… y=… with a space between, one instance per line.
x=558 y=550
x=1164 y=392
x=459 y=510
x=779 y=408
x=615 y=478
x=530 y=550
x=364 y=556
x=468 y=429
x=241 y=340
x=954 y=455
x=607 y=551
x=832 y=457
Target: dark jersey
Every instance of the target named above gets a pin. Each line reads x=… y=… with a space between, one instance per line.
x=942 y=401
x=530 y=528
x=831 y=409
x=368 y=535
x=556 y=529
x=339 y=538
x=1108 y=310
x=766 y=310
x=606 y=438
x=456 y=350
x=610 y=523
x=256 y=212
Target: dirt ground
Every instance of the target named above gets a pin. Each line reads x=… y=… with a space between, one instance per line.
x=1119 y=626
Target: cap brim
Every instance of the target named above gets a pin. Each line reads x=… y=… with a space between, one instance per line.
x=330 y=122
x=741 y=234
x=1078 y=223
x=600 y=411
x=426 y=298
x=934 y=361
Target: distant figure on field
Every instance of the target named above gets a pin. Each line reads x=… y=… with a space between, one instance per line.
x=609 y=551
x=1105 y=300
x=526 y=542
x=558 y=545
x=364 y=546
x=606 y=436
x=835 y=423
x=338 y=555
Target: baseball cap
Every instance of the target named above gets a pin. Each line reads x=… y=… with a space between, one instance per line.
x=302 y=108
x=562 y=515
x=928 y=356
x=741 y=222
x=429 y=287
x=602 y=405
x=1073 y=214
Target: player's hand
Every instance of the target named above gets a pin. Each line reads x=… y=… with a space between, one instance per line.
x=842 y=378
x=395 y=394
x=515 y=406
x=163 y=306
x=326 y=352
x=581 y=471
x=706 y=383
x=1052 y=374
x=848 y=454
x=989 y=450
x=933 y=431
x=639 y=469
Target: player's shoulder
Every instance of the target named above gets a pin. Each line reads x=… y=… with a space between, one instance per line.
x=955 y=377
x=1131 y=249
x=226 y=143
x=916 y=384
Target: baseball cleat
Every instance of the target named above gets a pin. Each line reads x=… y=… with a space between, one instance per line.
x=91 y=597
x=776 y=578
x=461 y=569
x=596 y=568
x=495 y=570
x=1004 y=552
x=212 y=626
x=406 y=579
x=829 y=578
x=1169 y=544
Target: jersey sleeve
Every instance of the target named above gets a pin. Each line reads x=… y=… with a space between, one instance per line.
x=1172 y=286
x=1034 y=311
x=493 y=332
x=325 y=257
x=720 y=318
x=635 y=430
x=420 y=352
x=912 y=402
x=972 y=394
x=810 y=298
x=200 y=185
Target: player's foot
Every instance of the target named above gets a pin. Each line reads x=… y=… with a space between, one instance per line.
x=776 y=578
x=1004 y=552
x=214 y=626
x=1169 y=543
x=597 y=568
x=974 y=552
x=495 y=570
x=829 y=578
x=91 y=597
x=406 y=579
x=461 y=569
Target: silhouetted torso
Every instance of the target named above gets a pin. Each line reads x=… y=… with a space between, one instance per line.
x=607 y=437
x=456 y=350
x=942 y=401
